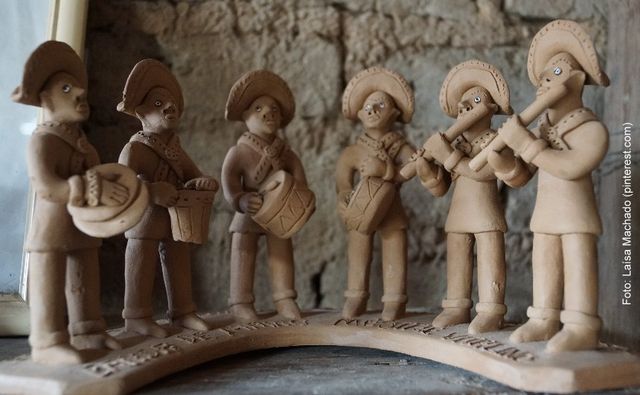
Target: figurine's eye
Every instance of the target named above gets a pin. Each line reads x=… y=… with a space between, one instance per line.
x=368 y=107
x=157 y=103
x=477 y=99
x=275 y=109
x=557 y=71
x=258 y=108
x=66 y=88
x=381 y=104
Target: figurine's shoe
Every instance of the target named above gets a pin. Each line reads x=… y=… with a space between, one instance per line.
x=244 y=312
x=489 y=319
x=456 y=311
x=191 y=321
x=354 y=307
x=60 y=354
x=542 y=325
x=288 y=308
x=580 y=332
x=145 y=326
x=95 y=341
x=393 y=311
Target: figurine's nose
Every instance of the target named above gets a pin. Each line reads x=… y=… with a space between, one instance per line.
x=169 y=108
x=81 y=95
x=463 y=106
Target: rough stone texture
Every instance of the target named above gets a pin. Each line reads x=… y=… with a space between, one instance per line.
x=317 y=45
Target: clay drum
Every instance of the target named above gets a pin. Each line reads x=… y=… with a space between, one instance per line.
x=287 y=205
x=190 y=216
x=369 y=203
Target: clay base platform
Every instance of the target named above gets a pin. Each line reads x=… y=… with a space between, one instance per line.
x=522 y=366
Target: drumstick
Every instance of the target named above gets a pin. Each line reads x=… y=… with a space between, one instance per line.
x=459 y=126
x=527 y=116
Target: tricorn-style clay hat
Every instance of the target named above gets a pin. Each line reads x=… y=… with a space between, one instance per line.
x=377 y=79
x=562 y=36
x=49 y=58
x=255 y=84
x=470 y=74
x=146 y=75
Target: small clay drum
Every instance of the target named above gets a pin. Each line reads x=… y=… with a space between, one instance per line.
x=107 y=221
x=286 y=205
x=190 y=215
x=369 y=203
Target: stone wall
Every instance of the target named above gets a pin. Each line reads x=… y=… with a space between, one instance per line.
x=317 y=46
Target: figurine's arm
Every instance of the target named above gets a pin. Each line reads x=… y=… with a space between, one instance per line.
x=454 y=160
x=510 y=168
x=588 y=145
x=433 y=177
x=345 y=170
x=462 y=168
x=403 y=157
x=231 y=178
x=195 y=179
x=42 y=161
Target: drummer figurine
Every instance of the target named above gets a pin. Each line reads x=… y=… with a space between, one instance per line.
x=377 y=97
x=257 y=163
x=472 y=93
x=59 y=160
x=566 y=147
x=154 y=96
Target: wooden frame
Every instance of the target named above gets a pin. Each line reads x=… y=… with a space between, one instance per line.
x=67 y=22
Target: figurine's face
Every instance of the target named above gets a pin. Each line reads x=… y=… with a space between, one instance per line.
x=378 y=111
x=471 y=99
x=65 y=99
x=558 y=71
x=159 y=111
x=263 y=117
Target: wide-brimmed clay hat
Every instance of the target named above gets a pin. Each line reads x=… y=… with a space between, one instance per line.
x=562 y=36
x=378 y=79
x=49 y=58
x=471 y=74
x=146 y=75
x=255 y=84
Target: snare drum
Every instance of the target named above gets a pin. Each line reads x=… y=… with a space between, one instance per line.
x=190 y=216
x=368 y=205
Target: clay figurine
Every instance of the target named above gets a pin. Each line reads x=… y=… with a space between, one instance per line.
x=265 y=183
x=378 y=98
x=178 y=190
x=472 y=92
x=62 y=169
x=565 y=148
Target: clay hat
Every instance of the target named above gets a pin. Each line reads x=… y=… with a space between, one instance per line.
x=258 y=83
x=49 y=58
x=146 y=75
x=470 y=74
x=562 y=36
x=376 y=79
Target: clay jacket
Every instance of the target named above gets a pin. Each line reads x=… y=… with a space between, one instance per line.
x=56 y=152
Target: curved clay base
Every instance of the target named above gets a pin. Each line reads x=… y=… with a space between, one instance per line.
x=523 y=366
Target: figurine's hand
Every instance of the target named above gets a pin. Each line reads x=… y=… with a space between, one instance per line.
x=250 y=203
x=202 y=184
x=373 y=167
x=112 y=193
x=514 y=134
x=163 y=194
x=502 y=162
x=439 y=148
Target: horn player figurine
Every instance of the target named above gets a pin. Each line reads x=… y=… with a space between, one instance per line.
x=153 y=95
x=566 y=147
x=77 y=200
x=472 y=93
x=265 y=183
x=378 y=98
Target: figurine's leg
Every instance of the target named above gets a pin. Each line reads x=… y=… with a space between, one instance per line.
x=544 y=315
x=491 y=283
x=49 y=339
x=394 y=273
x=281 y=266
x=243 y=262
x=175 y=257
x=357 y=293
x=580 y=315
x=458 y=303
x=86 y=325
x=141 y=258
